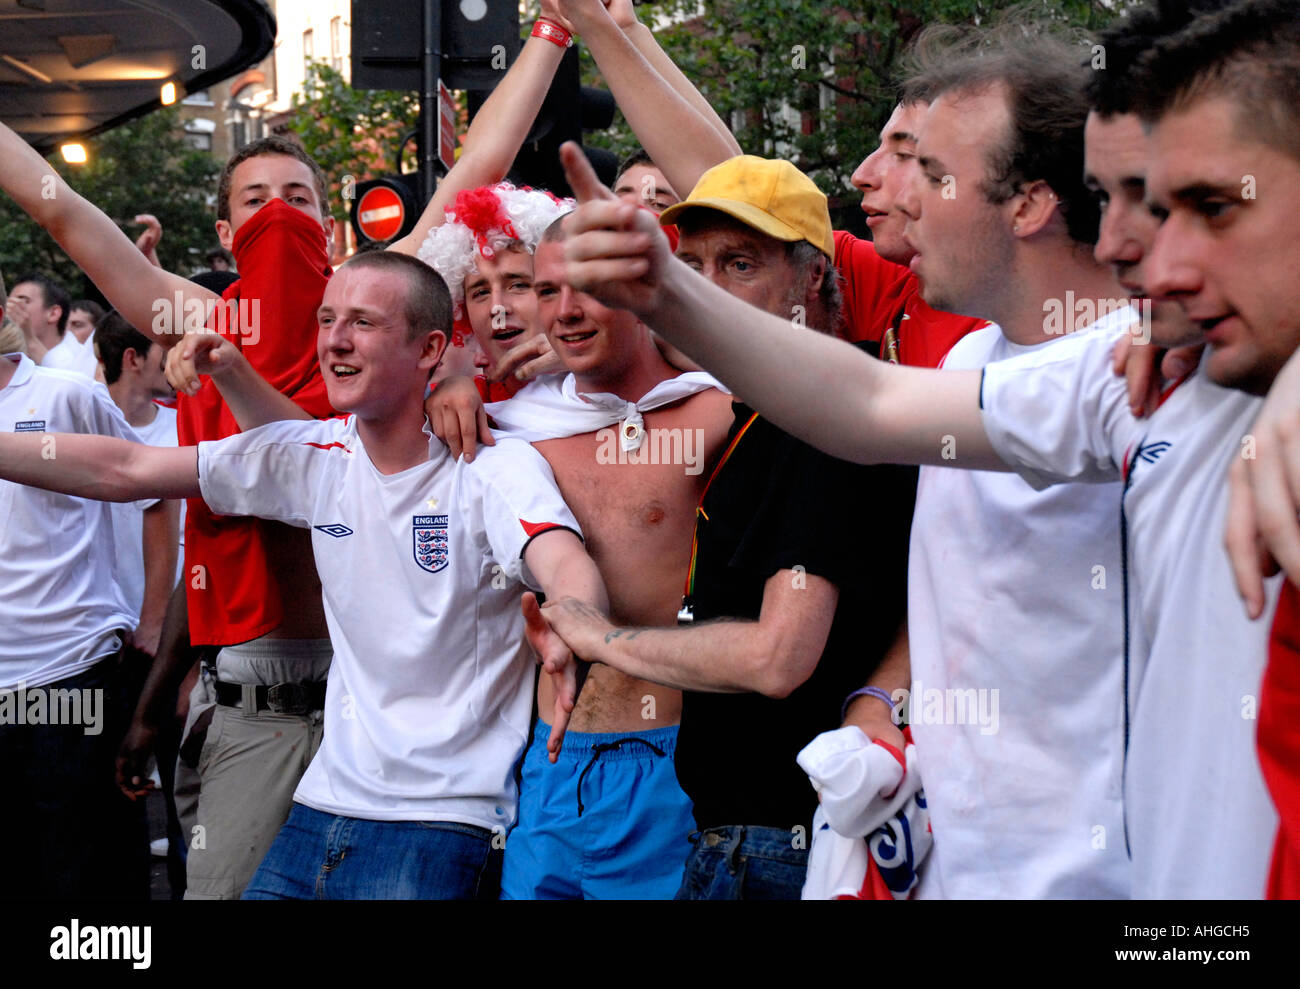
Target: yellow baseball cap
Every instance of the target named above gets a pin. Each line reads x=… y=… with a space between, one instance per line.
x=768 y=194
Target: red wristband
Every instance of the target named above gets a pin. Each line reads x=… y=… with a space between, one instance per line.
x=552 y=32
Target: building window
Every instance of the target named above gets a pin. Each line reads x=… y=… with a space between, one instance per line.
x=246 y=124
x=200 y=98
x=198 y=133
x=336 y=43
x=307 y=50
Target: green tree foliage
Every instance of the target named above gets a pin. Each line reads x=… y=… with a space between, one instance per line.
x=764 y=63
x=353 y=133
x=145 y=166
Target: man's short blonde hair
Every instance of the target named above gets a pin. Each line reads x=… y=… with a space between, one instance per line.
x=12 y=340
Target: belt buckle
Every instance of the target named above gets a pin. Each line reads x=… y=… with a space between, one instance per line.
x=288 y=698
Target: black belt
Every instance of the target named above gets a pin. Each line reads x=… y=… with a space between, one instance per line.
x=280 y=698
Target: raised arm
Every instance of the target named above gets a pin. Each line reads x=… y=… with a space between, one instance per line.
x=148 y=241
x=673 y=122
x=100 y=467
x=94 y=242
x=34 y=348
x=252 y=399
x=822 y=390
x=646 y=43
x=496 y=133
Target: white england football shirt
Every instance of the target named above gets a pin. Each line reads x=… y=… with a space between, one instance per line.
x=1200 y=823
x=1015 y=621
x=128 y=522
x=430 y=693
x=69 y=354
x=60 y=606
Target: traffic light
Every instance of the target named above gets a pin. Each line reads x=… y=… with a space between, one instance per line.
x=479 y=39
x=569 y=109
x=429 y=46
x=386 y=208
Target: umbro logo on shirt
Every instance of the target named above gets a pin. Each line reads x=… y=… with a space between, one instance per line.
x=30 y=426
x=1151 y=452
x=336 y=529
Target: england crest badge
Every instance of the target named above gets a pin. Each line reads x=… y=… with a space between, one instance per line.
x=429 y=540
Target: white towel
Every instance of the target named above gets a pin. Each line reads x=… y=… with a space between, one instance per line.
x=552 y=408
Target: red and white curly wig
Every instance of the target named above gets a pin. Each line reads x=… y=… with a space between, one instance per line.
x=482 y=222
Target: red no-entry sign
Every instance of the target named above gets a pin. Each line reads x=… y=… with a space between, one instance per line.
x=380 y=213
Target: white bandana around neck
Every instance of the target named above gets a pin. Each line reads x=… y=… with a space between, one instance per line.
x=552 y=408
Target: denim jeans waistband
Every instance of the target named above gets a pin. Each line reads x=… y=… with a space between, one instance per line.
x=779 y=844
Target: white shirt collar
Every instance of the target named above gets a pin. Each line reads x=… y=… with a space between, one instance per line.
x=24 y=372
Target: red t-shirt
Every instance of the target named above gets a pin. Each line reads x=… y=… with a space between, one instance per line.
x=284 y=265
x=883 y=305
x=1279 y=742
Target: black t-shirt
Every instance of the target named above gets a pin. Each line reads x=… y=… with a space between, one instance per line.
x=778 y=504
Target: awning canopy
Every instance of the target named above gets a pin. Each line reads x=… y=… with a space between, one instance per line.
x=73 y=68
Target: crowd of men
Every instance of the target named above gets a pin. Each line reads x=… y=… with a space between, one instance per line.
x=580 y=550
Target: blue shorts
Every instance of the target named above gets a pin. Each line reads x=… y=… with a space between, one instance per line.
x=630 y=840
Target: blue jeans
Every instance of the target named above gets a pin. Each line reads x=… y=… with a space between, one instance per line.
x=318 y=856
x=743 y=863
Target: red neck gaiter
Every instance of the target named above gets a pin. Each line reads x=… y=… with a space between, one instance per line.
x=270 y=314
